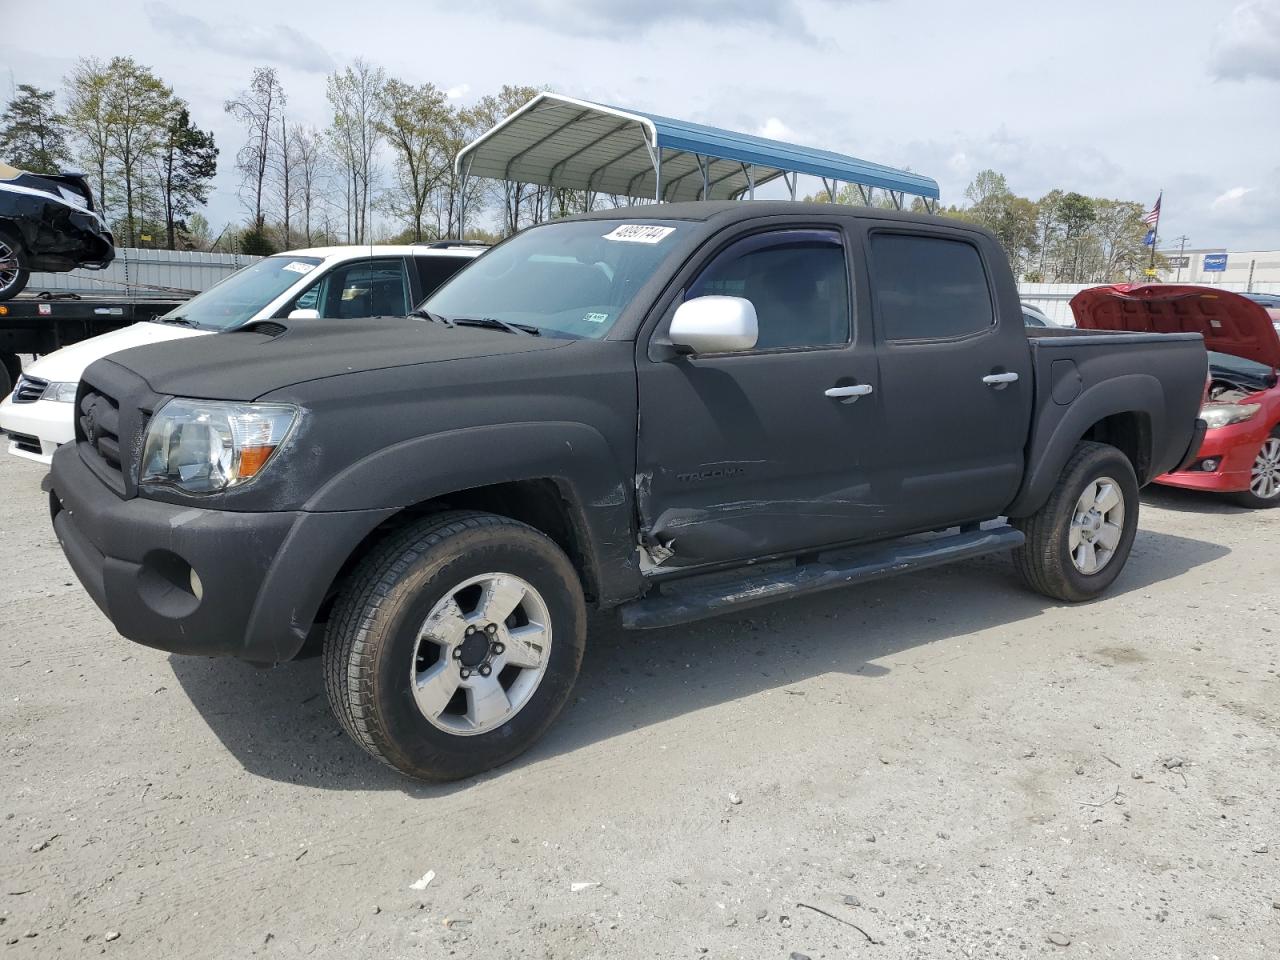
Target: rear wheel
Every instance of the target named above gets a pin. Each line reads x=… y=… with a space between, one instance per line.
x=1264 y=477
x=13 y=266
x=1078 y=542
x=455 y=645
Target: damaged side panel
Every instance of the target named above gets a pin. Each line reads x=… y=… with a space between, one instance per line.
x=52 y=218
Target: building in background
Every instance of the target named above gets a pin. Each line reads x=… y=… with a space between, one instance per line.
x=1215 y=265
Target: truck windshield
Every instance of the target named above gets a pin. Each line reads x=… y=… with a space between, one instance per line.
x=242 y=295
x=569 y=279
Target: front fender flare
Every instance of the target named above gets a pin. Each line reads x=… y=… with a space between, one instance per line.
x=574 y=455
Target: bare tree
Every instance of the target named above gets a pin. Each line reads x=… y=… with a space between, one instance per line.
x=257 y=109
x=283 y=180
x=355 y=94
x=310 y=161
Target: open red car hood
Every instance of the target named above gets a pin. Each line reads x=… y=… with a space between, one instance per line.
x=1230 y=323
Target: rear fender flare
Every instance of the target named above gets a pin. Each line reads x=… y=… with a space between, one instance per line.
x=1134 y=393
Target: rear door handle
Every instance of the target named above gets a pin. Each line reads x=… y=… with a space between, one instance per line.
x=848 y=394
x=997 y=379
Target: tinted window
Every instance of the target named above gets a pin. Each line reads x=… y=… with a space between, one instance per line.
x=433 y=271
x=797 y=281
x=926 y=288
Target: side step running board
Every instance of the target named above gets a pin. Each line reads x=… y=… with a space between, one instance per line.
x=693 y=599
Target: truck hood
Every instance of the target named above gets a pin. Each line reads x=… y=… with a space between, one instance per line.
x=68 y=364
x=248 y=363
x=1230 y=323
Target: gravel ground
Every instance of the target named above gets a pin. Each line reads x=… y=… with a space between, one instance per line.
x=941 y=765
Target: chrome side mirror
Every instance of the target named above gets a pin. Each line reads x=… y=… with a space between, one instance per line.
x=304 y=315
x=715 y=325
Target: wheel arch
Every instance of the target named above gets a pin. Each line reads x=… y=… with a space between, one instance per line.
x=1124 y=412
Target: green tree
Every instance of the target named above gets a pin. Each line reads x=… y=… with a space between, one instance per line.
x=187 y=161
x=88 y=87
x=355 y=94
x=414 y=121
x=517 y=199
x=139 y=106
x=32 y=133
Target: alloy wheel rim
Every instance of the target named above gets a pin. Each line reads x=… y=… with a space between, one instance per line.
x=1264 y=479
x=481 y=654
x=1097 y=525
x=8 y=267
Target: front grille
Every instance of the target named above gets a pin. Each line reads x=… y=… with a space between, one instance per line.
x=26 y=443
x=29 y=389
x=99 y=428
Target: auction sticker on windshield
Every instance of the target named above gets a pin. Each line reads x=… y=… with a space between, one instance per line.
x=297 y=266
x=639 y=233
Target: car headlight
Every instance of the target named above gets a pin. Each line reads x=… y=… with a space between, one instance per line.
x=206 y=446
x=60 y=392
x=1225 y=414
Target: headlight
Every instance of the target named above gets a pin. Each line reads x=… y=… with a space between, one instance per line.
x=1225 y=414
x=205 y=446
x=60 y=392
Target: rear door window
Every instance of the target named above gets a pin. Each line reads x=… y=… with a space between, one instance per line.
x=377 y=287
x=928 y=288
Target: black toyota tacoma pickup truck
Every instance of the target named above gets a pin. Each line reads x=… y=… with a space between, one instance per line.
x=674 y=411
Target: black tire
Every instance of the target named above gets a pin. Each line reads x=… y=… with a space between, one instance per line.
x=1044 y=562
x=1248 y=498
x=9 y=370
x=373 y=640
x=10 y=287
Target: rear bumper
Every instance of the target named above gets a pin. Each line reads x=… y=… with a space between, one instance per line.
x=259 y=578
x=1234 y=448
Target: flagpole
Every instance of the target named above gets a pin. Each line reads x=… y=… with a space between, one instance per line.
x=1155 y=233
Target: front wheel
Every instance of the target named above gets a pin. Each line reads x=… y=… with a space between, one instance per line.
x=455 y=644
x=1078 y=542
x=13 y=266
x=1264 y=477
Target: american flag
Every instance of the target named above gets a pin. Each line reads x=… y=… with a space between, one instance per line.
x=1153 y=215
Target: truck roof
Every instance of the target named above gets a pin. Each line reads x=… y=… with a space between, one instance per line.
x=730 y=211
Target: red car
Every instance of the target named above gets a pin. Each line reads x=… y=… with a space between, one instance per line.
x=1241 y=450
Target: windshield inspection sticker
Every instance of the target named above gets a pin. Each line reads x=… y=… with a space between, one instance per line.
x=639 y=233
x=596 y=317
x=297 y=266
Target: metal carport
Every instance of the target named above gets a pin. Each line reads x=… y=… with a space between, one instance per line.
x=559 y=141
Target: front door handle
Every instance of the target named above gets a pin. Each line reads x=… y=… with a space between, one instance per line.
x=848 y=394
x=999 y=379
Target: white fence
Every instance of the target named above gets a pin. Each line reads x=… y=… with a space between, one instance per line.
x=139 y=272
x=1054 y=298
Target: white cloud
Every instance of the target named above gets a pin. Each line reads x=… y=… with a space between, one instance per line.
x=277 y=44
x=1247 y=42
x=456 y=92
x=618 y=18
x=775 y=129
x=1230 y=199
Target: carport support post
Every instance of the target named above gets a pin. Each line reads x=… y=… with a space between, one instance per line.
x=462 y=198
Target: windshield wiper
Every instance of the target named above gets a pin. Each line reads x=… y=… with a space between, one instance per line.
x=178 y=321
x=428 y=315
x=494 y=323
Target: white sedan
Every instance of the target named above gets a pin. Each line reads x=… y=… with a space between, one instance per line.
x=343 y=282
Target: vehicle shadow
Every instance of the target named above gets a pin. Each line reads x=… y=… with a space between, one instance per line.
x=1192 y=501
x=277 y=723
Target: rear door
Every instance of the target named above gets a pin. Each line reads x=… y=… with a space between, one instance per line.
x=955 y=375
x=744 y=454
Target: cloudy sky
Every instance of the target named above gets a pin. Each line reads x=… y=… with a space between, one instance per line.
x=1119 y=99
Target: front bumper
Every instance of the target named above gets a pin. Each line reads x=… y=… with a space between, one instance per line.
x=1235 y=447
x=260 y=578
x=36 y=429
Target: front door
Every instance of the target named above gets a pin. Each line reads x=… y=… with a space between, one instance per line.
x=746 y=454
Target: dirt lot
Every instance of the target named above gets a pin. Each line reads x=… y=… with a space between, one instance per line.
x=953 y=765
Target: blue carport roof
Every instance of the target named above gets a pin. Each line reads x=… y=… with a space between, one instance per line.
x=563 y=142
